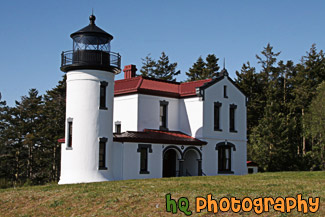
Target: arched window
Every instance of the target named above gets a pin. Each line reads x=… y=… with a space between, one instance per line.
x=224 y=156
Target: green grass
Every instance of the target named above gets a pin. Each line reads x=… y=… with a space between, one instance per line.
x=147 y=197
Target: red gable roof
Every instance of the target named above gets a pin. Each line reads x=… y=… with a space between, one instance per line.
x=158 y=87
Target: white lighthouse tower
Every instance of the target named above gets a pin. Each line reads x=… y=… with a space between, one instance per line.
x=91 y=68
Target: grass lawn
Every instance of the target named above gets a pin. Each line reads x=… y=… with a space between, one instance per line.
x=147 y=197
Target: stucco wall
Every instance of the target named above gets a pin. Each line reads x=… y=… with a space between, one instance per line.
x=191 y=116
x=126 y=111
x=149 y=107
x=213 y=94
x=80 y=164
x=131 y=162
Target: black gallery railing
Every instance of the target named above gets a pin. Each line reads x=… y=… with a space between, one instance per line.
x=90 y=58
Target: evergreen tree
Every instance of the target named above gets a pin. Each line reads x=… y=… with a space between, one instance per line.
x=165 y=70
x=29 y=113
x=315 y=128
x=197 y=72
x=310 y=73
x=148 y=66
x=204 y=70
x=212 y=66
x=273 y=146
x=54 y=113
x=161 y=69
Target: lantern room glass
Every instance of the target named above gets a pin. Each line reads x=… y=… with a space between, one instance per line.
x=91 y=42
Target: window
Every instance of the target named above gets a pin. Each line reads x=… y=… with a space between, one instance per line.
x=144 y=149
x=102 y=95
x=225 y=91
x=102 y=154
x=224 y=156
x=217 y=106
x=232 y=112
x=118 y=127
x=224 y=159
x=163 y=115
x=69 y=142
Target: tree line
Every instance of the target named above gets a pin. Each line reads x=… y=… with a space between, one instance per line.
x=29 y=151
x=285 y=116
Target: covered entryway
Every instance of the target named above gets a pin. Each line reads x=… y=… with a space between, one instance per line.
x=192 y=162
x=171 y=157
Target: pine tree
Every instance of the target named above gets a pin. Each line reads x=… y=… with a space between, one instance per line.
x=54 y=113
x=161 y=69
x=204 y=70
x=197 y=71
x=29 y=111
x=212 y=66
x=165 y=70
x=273 y=146
x=315 y=128
x=310 y=73
x=148 y=66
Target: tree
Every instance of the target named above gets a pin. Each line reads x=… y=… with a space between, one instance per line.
x=315 y=128
x=161 y=69
x=197 y=70
x=148 y=66
x=310 y=73
x=212 y=66
x=204 y=70
x=54 y=113
x=273 y=139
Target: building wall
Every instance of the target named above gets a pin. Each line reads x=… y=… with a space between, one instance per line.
x=215 y=93
x=191 y=116
x=254 y=168
x=126 y=111
x=131 y=162
x=149 y=112
x=80 y=164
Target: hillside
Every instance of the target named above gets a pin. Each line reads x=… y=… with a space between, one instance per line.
x=147 y=197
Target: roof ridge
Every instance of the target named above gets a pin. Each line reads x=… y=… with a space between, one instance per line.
x=190 y=82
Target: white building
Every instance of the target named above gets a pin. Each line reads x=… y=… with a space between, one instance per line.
x=161 y=128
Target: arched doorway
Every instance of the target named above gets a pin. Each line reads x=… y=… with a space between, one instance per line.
x=171 y=158
x=192 y=162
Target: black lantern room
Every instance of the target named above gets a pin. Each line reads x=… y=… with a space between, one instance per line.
x=91 y=50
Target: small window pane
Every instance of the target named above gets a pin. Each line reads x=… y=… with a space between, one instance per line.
x=102 y=96
x=144 y=160
x=232 y=119
x=216 y=117
x=163 y=116
x=224 y=159
x=69 y=134
x=102 y=150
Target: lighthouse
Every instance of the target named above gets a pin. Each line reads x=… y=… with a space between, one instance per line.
x=90 y=68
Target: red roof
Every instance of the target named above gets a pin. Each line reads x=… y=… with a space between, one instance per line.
x=158 y=136
x=251 y=163
x=154 y=136
x=158 y=87
x=61 y=140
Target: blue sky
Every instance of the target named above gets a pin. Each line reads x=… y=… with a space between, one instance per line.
x=34 y=33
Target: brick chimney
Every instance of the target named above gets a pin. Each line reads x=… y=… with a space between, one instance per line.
x=129 y=71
